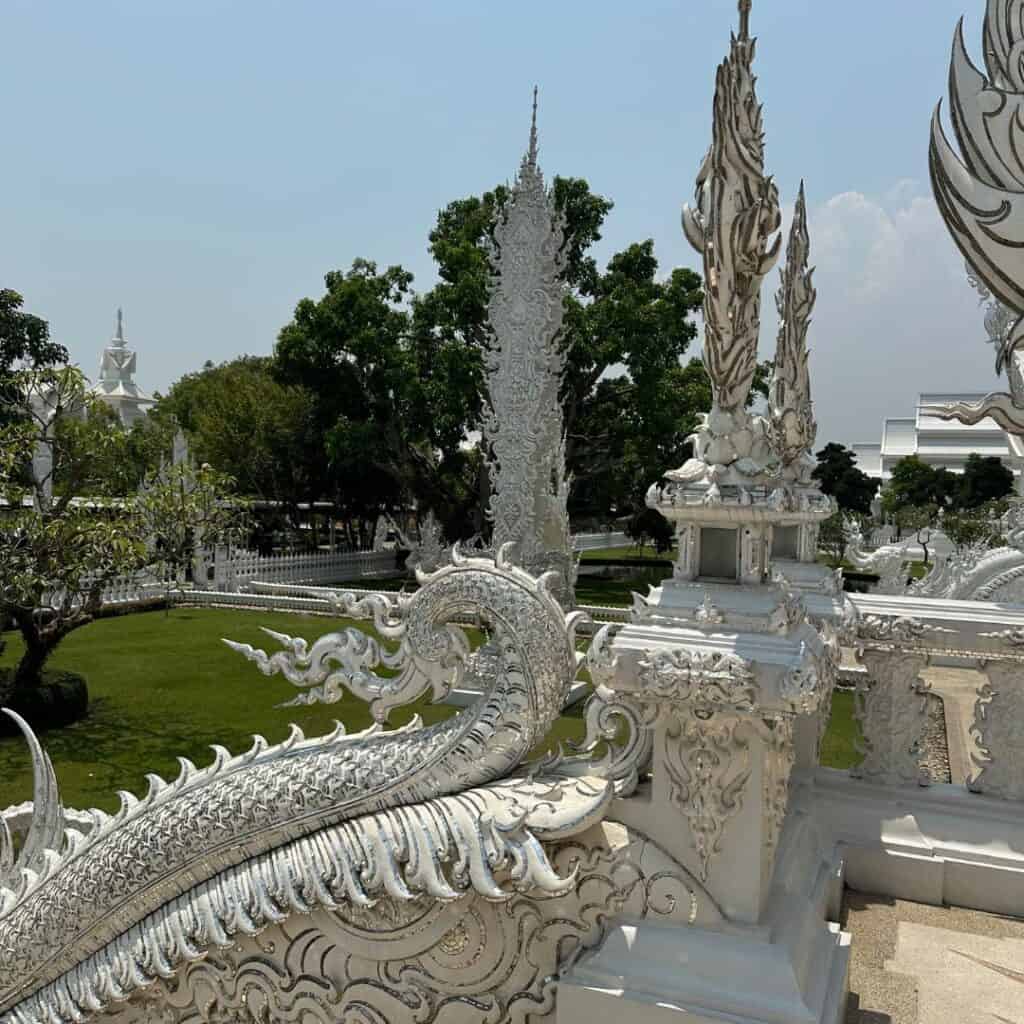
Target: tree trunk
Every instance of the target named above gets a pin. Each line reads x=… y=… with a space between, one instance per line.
x=29 y=673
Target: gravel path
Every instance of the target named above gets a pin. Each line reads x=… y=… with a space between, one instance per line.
x=934 y=746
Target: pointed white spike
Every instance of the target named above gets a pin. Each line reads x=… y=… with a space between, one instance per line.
x=47 y=829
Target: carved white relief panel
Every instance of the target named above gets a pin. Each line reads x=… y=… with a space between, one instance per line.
x=430 y=962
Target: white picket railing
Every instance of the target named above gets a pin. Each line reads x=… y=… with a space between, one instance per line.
x=597 y=541
x=235 y=571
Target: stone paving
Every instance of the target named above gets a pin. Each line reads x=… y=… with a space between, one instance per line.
x=914 y=964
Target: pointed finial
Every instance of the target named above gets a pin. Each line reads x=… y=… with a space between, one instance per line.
x=119 y=333
x=800 y=210
x=745 y=6
x=531 y=156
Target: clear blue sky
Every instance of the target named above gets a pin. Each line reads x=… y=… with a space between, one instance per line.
x=204 y=164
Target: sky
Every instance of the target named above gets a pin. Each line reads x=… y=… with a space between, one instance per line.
x=204 y=164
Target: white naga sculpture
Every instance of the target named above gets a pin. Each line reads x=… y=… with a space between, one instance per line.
x=412 y=874
x=525 y=362
x=888 y=562
x=980 y=191
x=980 y=194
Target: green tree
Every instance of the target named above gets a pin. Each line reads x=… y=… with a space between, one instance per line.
x=840 y=477
x=833 y=538
x=247 y=424
x=919 y=520
x=184 y=508
x=984 y=479
x=64 y=542
x=24 y=342
x=393 y=410
x=967 y=527
x=57 y=556
x=24 y=338
x=651 y=524
x=915 y=484
x=628 y=436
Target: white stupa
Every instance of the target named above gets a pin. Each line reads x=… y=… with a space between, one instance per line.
x=116 y=385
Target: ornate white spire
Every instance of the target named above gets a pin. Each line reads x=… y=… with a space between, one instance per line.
x=118 y=339
x=791 y=411
x=525 y=364
x=732 y=226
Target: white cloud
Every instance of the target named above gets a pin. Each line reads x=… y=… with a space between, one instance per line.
x=895 y=315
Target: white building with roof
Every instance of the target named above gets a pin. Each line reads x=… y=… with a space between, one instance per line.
x=940 y=443
x=116 y=385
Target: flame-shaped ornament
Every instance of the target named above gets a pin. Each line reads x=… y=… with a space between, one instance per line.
x=734 y=227
x=791 y=411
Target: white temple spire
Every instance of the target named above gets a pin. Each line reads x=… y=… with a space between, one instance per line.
x=525 y=363
x=116 y=385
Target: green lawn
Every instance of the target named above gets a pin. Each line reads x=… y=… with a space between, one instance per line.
x=163 y=686
x=838 y=748
x=615 y=592
x=627 y=552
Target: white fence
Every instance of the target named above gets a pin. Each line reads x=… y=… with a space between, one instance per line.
x=597 y=541
x=236 y=570
x=248 y=571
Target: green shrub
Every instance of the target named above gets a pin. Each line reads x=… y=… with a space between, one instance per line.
x=63 y=698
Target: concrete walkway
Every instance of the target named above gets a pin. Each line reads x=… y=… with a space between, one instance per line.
x=913 y=964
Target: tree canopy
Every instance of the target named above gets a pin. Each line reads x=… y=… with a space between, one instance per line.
x=840 y=477
x=25 y=338
x=984 y=479
x=24 y=342
x=59 y=552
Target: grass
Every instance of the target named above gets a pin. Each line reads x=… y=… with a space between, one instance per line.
x=627 y=552
x=838 y=748
x=614 y=592
x=163 y=686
